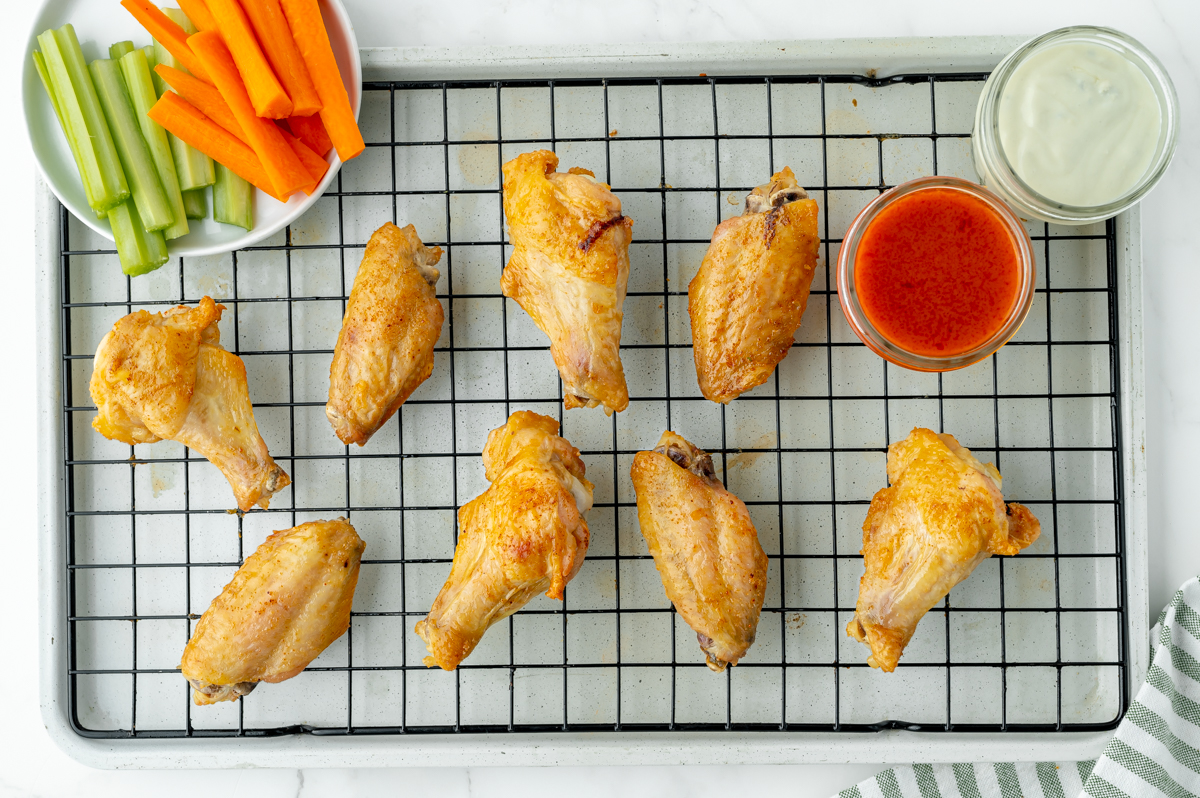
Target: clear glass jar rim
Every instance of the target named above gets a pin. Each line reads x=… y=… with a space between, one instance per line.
x=867 y=332
x=1168 y=108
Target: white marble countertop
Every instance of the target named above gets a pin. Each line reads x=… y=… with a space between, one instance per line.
x=30 y=764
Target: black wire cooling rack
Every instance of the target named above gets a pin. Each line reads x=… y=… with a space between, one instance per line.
x=1030 y=643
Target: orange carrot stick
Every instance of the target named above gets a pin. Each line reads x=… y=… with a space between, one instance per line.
x=208 y=101
x=304 y=18
x=167 y=33
x=197 y=130
x=315 y=164
x=283 y=167
x=276 y=39
x=310 y=130
x=267 y=94
x=197 y=11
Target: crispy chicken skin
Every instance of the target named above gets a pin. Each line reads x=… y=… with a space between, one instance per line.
x=526 y=534
x=746 y=301
x=568 y=270
x=284 y=606
x=942 y=516
x=385 y=348
x=704 y=546
x=164 y=376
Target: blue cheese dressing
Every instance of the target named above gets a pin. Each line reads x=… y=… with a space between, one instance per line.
x=1079 y=123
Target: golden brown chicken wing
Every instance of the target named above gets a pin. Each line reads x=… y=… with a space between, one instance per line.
x=284 y=606
x=164 y=376
x=704 y=546
x=525 y=534
x=746 y=301
x=942 y=516
x=568 y=270
x=385 y=348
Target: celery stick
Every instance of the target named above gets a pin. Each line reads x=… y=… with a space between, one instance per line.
x=198 y=166
x=155 y=55
x=136 y=72
x=72 y=90
x=115 y=186
x=195 y=169
x=140 y=251
x=195 y=203
x=144 y=184
x=233 y=199
x=181 y=19
x=40 y=64
x=116 y=51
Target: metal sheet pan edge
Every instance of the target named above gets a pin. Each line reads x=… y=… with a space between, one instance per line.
x=892 y=56
x=879 y=57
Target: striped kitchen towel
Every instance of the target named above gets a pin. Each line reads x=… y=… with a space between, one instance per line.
x=1155 y=752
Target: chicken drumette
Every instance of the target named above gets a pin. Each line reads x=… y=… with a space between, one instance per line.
x=568 y=270
x=284 y=606
x=746 y=301
x=704 y=546
x=164 y=376
x=526 y=534
x=385 y=348
x=942 y=516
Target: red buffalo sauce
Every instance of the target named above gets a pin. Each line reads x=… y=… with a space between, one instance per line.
x=936 y=272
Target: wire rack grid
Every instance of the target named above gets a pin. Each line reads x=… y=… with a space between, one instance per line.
x=1034 y=642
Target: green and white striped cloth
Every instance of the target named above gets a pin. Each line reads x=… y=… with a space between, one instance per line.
x=1154 y=752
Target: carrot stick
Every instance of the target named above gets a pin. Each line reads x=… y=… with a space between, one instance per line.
x=208 y=101
x=197 y=11
x=276 y=39
x=167 y=33
x=268 y=96
x=310 y=130
x=315 y=164
x=189 y=125
x=304 y=18
x=283 y=167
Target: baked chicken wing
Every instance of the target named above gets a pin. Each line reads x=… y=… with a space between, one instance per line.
x=526 y=534
x=568 y=270
x=385 y=348
x=284 y=606
x=164 y=376
x=942 y=516
x=704 y=546
x=746 y=301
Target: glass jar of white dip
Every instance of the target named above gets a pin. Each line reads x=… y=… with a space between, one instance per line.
x=1075 y=126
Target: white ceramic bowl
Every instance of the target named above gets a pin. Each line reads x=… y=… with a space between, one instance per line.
x=99 y=23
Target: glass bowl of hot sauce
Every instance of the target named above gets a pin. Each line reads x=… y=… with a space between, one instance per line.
x=936 y=274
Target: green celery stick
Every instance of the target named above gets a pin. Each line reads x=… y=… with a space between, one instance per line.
x=151 y=61
x=81 y=81
x=195 y=169
x=140 y=251
x=233 y=199
x=195 y=203
x=40 y=64
x=147 y=189
x=136 y=72
x=99 y=168
x=116 y=51
x=181 y=19
x=155 y=55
